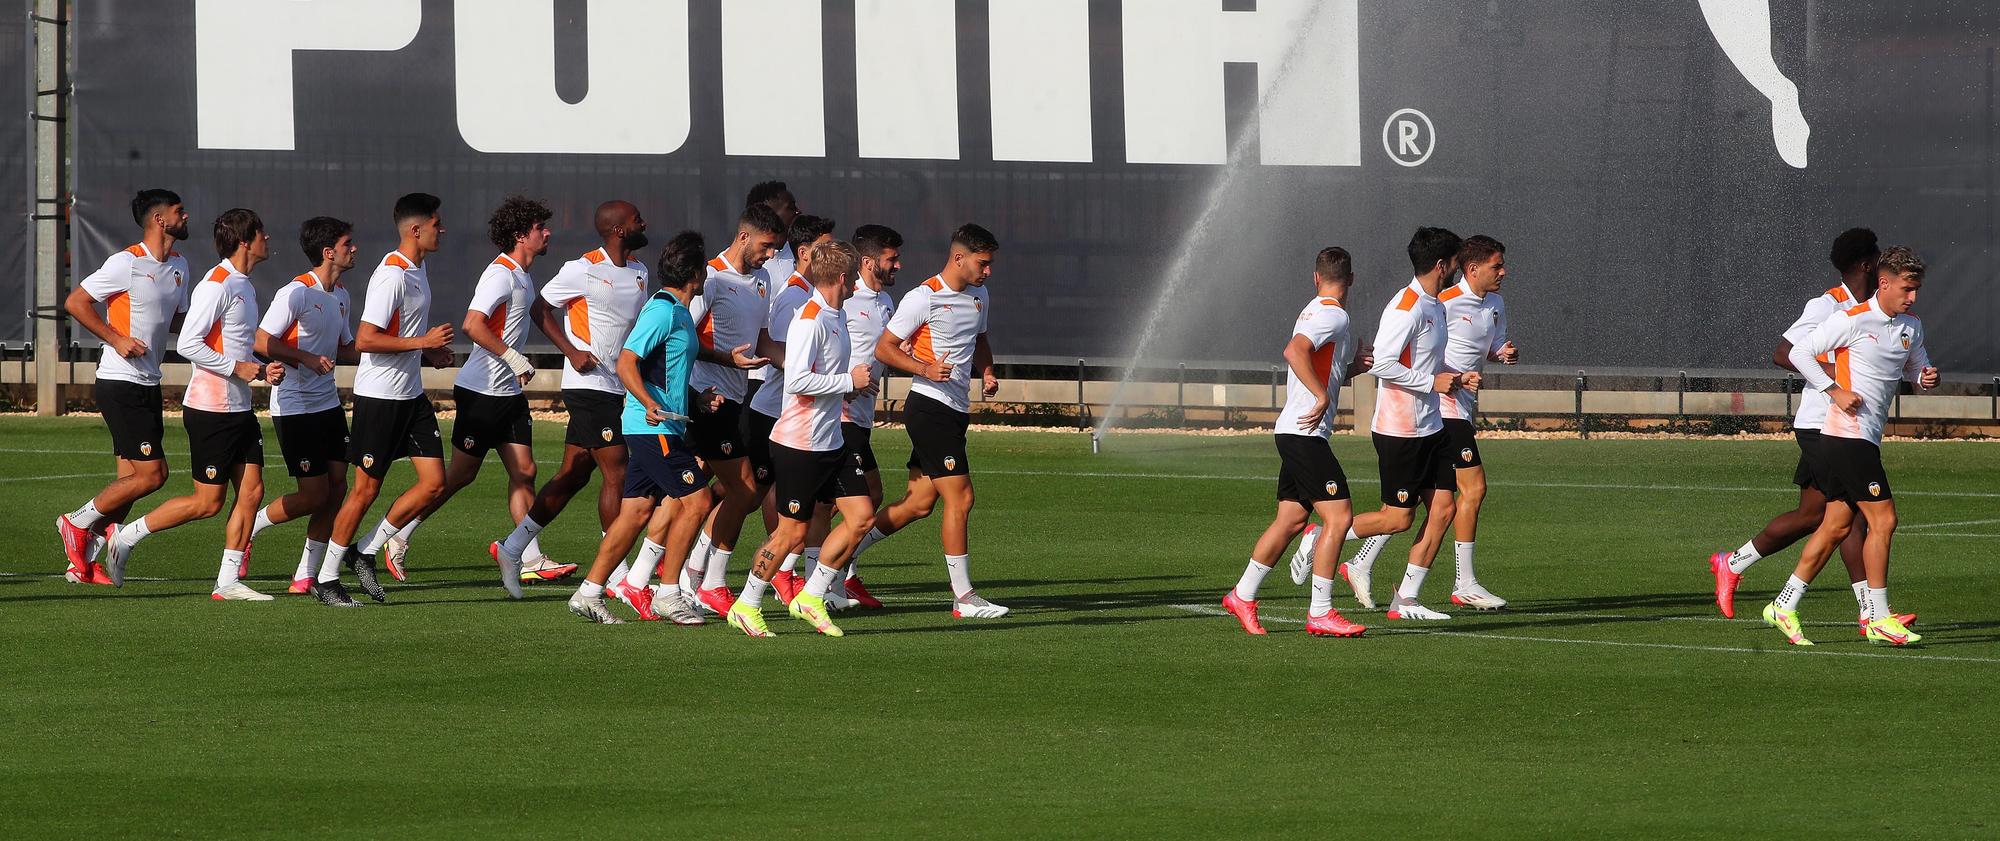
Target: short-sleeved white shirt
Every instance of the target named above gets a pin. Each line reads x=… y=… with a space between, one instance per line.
x=310 y=317
x=1324 y=324
x=397 y=302
x=868 y=315
x=941 y=324
x=599 y=300
x=727 y=315
x=504 y=295
x=141 y=295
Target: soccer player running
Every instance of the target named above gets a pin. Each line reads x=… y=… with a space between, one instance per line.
x=306 y=329
x=225 y=442
x=1410 y=440
x=665 y=485
x=1874 y=347
x=393 y=418
x=868 y=312
x=599 y=295
x=767 y=400
x=492 y=411
x=730 y=314
x=813 y=463
x=1318 y=358
x=131 y=304
x=944 y=321
x=1854 y=255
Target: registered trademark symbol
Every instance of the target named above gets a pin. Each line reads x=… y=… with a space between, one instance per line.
x=1409 y=137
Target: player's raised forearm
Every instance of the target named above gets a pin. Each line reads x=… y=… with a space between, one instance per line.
x=481 y=334
x=1298 y=356
x=770 y=348
x=889 y=351
x=1803 y=362
x=281 y=352
x=546 y=321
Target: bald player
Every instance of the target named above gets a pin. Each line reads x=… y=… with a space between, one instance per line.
x=587 y=310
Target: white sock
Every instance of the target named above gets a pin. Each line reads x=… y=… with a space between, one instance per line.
x=533 y=551
x=1789 y=597
x=1878 y=603
x=874 y=535
x=697 y=562
x=1253 y=578
x=618 y=574
x=263 y=522
x=517 y=542
x=753 y=590
x=821 y=581
x=791 y=563
x=383 y=531
x=336 y=557
x=232 y=560
x=650 y=555
x=665 y=589
x=1413 y=582
x=309 y=559
x=590 y=591
x=1861 y=594
x=1351 y=535
x=1364 y=558
x=853 y=569
x=717 y=573
x=1322 y=596
x=86 y=517
x=1741 y=559
x=131 y=533
x=961 y=578
x=1463 y=577
x=409 y=528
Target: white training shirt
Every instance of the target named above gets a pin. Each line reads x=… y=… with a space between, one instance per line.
x=397 y=302
x=600 y=300
x=817 y=378
x=727 y=315
x=783 y=263
x=504 y=295
x=141 y=295
x=1324 y=324
x=1409 y=354
x=1475 y=328
x=310 y=317
x=868 y=315
x=220 y=331
x=1813 y=403
x=768 y=399
x=943 y=325
x=1871 y=354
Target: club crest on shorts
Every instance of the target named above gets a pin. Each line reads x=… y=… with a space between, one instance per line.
x=728 y=447
x=1874 y=488
x=1465 y=454
x=305 y=464
x=209 y=471
x=145 y=448
x=687 y=477
x=763 y=473
x=465 y=444
x=368 y=460
x=1333 y=487
x=1402 y=495
x=605 y=433
x=792 y=506
x=950 y=463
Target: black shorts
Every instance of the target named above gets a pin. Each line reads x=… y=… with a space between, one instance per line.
x=1461 y=443
x=485 y=421
x=757 y=442
x=312 y=442
x=386 y=430
x=1851 y=469
x=718 y=435
x=1308 y=472
x=661 y=466
x=1411 y=466
x=593 y=418
x=1806 y=475
x=856 y=437
x=937 y=437
x=218 y=441
x=132 y=412
x=806 y=477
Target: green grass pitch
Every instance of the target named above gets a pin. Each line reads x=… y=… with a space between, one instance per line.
x=1609 y=701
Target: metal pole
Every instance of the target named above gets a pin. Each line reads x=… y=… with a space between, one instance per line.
x=1682 y=400
x=47 y=79
x=1275 y=376
x=1082 y=413
x=1582 y=423
x=1788 y=394
x=1996 y=398
x=1180 y=397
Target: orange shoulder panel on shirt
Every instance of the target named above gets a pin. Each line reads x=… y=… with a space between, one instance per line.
x=307 y=279
x=1857 y=310
x=1408 y=301
x=719 y=264
x=797 y=281
x=597 y=256
x=1839 y=294
x=217 y=275
x=810 y=311
x=935 y=284
x=396 y=259
x=503 y=260
x=137 y=250
x=1449 y=293
x=1329 y=302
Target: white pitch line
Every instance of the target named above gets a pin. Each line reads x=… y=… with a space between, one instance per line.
x=1216 y=611
x=39 y=478
x=1950 y=534
x=59 y=575
x=1905 y=527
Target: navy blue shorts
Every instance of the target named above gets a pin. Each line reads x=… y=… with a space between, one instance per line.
x=661 y=466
